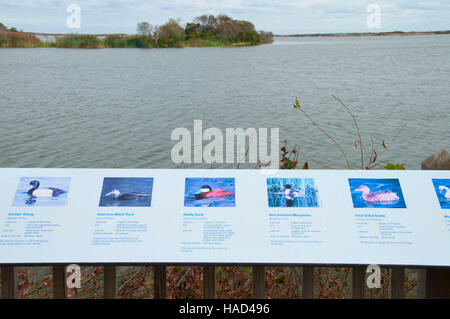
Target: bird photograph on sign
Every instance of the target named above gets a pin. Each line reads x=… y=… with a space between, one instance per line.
x=292 y=192
x=442 y=188
x=376 y=193
x=126 y=192
x=42 y=191
x=210 y=192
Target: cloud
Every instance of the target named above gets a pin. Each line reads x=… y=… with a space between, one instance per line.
x=279 y=16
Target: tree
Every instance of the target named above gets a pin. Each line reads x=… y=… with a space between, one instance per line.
x=229 y=31
x=191 y=30
x=208 y=23
x=144 y=28
x=3 y=27
x=266 y=37
x=246 y=26
x=223 y=19
x=171 y=32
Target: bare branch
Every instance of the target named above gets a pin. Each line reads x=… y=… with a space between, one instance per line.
x=320 y=163
x=245 y=155
x=389 y=146
x=357 y=128
x=327 y=135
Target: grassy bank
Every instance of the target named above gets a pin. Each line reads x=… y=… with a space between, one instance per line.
x=15 y=39
x=81 y=41
x=204 y=31
x=76 y=41
x=213 y=43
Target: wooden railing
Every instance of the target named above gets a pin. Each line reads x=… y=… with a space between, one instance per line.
x=432 y=282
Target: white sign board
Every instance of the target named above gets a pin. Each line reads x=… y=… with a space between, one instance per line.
x=224 y=217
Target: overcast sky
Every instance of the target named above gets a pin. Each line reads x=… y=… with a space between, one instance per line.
x=278 y=16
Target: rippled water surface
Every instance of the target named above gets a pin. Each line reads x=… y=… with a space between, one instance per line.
x=118 y=107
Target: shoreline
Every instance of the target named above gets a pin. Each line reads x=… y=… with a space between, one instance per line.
x=351 y=34
x=83 y=41
x=362 y=34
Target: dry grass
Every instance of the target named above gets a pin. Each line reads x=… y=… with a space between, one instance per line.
x=10 y=39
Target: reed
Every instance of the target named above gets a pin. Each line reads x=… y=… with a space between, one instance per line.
x=15 y=39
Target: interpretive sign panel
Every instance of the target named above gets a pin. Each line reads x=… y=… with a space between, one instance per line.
x=224 y=217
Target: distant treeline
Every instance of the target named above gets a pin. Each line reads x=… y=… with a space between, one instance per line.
x=367 y=34
x=204 y=31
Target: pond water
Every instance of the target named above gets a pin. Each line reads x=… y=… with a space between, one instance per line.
x=116 y=108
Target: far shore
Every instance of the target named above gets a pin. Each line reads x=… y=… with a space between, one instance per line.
x=365 y=34
x=204 y=31
x=356 y=34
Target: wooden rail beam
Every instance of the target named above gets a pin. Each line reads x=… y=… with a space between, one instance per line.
x=397 y=283
x=438 y=284
x=110 y=282
x=209 y=282
x=160 y=282
x=259 y=282
x=421 y=284
x=9 y=282
x=308 y=282
x=59 y=281
x=358 y=282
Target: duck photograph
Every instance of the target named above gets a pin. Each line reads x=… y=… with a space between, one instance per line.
x=210 y=192
x=126 y=192
x=376 y=193
x=442 y=188
x=292 y=192
x=42 y=191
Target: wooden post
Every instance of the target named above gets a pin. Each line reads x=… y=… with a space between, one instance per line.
x=308 y=282
x=397 y=283
x=209 y=282
x=110 y=282
x=437 y=280
x=358 y=282
x=59 y=282
x=259 y=282
x=437 y=284
x=9 y=282
x=421 y=283
x=160 y=282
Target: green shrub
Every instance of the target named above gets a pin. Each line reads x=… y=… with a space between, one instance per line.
x=79 y=41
